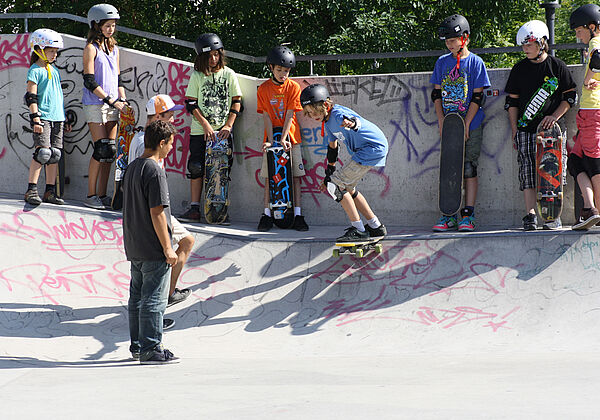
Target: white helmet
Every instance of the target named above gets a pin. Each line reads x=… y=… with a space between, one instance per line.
x=100 y=12
x=532 y=31
x=45 y=38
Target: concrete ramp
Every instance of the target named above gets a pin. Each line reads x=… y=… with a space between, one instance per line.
x=278 y=328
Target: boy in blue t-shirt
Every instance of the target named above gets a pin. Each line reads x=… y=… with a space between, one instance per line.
x=368 y=148
x=459 y=79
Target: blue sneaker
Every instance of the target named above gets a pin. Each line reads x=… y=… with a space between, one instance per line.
x=445 y=223
x=467 y=224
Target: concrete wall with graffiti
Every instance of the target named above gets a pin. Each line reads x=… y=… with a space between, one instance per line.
x=402 y=193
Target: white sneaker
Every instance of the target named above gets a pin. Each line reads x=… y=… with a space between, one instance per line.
x=94 y=202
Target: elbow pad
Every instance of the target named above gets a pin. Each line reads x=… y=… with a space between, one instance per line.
x=191 y=105
x=332 y=154
x=511 y=102
x=594 y=64
x=89 y=82
x=571 y=98
x=30 y=98
x=436 y=94
x=478 y=98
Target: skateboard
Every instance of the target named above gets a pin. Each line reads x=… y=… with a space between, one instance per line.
x=358 y=248
x=216 y=180
x=281 y=186
x=126 y=133
x=61 y=178
x=452 y=156
x=549 y=175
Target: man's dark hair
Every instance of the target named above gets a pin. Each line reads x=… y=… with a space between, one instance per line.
x=157 y=131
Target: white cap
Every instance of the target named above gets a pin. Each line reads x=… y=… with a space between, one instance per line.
x=161 y=103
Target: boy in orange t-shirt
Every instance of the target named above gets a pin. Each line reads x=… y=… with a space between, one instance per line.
x=278 y=99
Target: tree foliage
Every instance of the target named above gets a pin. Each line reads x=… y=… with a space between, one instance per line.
x=311 y=27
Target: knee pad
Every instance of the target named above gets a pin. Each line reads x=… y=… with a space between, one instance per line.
x=105 y=150
x=42 y=155
x=470 y=170
x=354 y=194
x=56 y=154
x=335 y=192
x=195 y=167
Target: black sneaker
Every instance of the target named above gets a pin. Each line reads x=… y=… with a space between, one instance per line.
x=587 y=219
x=179 y=295
x=168 y=324
x=192 y=215
x=158 y=356
x=51 y=197
x=32 y=197
x=135 y=355
x=299 y=224
x=265 y=224
x=530 y=222
x=352 y=234
x=376 y=232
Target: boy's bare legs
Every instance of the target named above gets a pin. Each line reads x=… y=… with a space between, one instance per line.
x=363 y=207
x=587 y=189
x=530 y=200
x=470 y=191
x=196 y=189
x=34 y=171
x=350 y=208
x=184 y=248
x=297 y=192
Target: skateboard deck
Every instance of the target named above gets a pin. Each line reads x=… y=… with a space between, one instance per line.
x=281 y=186
x=124 y=137
x=61 y=178
x=216 y=180
x=549 y=175
x=452 y=156
x=358 y=248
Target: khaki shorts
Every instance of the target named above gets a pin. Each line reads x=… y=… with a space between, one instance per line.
x=348 y=176
x=179 y=232
x=100 y=114
x=52 y=135
x=297 y=164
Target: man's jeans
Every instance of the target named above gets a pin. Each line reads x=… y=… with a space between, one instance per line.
x=148 y=292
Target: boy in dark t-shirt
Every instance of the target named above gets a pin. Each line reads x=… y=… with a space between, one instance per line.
x=147 y=239
x=540 y=89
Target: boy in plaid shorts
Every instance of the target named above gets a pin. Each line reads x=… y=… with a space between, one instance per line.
x=540 y=90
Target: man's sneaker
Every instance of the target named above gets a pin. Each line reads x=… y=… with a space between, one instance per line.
x=265 y=224
x=192 y=215
x=106 y=201
x=556 y=224
x=352 y=234
x=530 y=222
x=158 y=356
x=52 y=198
x=299 y=224
x=376 y=232
x=445 y=223
x=32 y=197
x=94 y=202
x=467 y=224
x=179 y=295
x=587 y=219
x=168 y=323
x=135 y=355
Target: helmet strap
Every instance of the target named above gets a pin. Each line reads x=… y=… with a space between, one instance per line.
x=463 y=41
x=42 y=55
x=277 y=82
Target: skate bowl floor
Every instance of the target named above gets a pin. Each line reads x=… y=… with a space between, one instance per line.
x=489 y=324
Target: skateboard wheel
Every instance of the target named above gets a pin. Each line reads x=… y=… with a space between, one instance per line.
x=229 y=151
x=336 y=253
x=207 y=201
x=378 y=248
x=227 y=202
x=208 y=151
x=289 y=205
x=360 y=253
x=539 y=196
x=560 y=195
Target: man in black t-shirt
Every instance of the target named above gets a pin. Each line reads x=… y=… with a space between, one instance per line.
x=147 y=239
x=540 y=90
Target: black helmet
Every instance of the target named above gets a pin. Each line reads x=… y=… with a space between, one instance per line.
x=313 y=94
x=453 y=27
x=208 y=42
x=281 y=56
x=584 y=15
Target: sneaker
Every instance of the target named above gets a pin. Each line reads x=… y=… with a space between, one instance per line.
x=158 y=356
x=94 y=202
x=192 y=215
x=530 y=222
x=168 y=324
x=376 y=232
x=32 y=197
x=352 y=234
x=179 y=295
x=445 y=223
x=265 y=224
x=556 y=224
x=587 y=219
x=226 y=222
x=52 y=198
x=106 y=201
x=135 y=355
x=467 y=224
x=300 y=224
